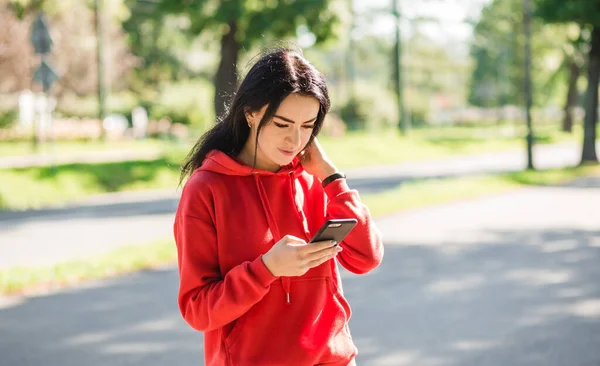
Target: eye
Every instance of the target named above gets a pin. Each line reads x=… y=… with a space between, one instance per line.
x=310 y=127
x=280 y=125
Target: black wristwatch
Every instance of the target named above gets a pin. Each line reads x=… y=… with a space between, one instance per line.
x=332 y=177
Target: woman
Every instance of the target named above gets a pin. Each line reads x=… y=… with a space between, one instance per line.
x=259 y=187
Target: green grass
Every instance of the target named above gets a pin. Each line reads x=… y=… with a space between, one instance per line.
x=423 y=193
x=122 y=260
x=38 y=187
x=408 y=196
x=357 y=149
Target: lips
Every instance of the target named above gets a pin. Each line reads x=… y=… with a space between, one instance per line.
x=287 y=152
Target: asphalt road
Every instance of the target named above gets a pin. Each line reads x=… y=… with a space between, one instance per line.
x=511 y=279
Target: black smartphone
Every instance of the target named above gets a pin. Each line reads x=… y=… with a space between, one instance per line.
x=334 y=230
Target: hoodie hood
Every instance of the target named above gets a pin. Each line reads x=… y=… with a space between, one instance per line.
x=219 y=162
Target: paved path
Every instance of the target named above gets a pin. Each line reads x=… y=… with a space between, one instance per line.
x=506 y=280
x=80 y=157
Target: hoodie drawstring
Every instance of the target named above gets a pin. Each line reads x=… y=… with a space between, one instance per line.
x=285 y=281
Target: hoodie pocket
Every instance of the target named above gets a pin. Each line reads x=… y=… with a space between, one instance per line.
x=310 y=330
x=235 y=331
x=339 y=297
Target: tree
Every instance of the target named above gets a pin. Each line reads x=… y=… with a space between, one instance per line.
x=244 y=24
x=573 y=64
x=71 y=25
x=498 y=53
x=498 y=56
x=157 y=40
x=587 y=14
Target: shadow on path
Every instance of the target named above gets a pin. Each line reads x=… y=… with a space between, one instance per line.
x=512 y=298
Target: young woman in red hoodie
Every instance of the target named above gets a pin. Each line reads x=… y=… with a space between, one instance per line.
x=260 y=186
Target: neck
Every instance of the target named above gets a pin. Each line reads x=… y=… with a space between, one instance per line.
x=247 y=156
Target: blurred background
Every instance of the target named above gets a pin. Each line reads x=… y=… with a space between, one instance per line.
x=445 y=114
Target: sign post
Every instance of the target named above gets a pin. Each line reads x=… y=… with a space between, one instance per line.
x=44 y=75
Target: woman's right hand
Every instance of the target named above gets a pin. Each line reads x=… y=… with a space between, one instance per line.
x=292 y=256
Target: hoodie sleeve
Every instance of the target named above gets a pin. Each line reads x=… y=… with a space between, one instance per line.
x=207 y=299
x=363 y=247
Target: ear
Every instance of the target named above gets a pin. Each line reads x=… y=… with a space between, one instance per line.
x=250 y=115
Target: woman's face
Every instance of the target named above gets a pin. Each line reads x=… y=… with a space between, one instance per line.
x=283 y=137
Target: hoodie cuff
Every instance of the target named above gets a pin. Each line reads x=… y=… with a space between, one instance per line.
x=336 y=187
x=261 y=272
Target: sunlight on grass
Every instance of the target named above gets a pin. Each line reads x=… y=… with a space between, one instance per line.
x=422 y=193
x=553 y=176
x=39 y=187
x=122 y=260
x=357 y=149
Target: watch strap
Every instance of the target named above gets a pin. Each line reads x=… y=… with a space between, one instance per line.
x=332 y=177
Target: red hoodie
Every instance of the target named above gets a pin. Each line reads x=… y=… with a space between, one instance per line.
x=229 y=215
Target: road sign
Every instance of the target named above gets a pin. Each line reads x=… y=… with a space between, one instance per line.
x=45 y=75
x=40 y=36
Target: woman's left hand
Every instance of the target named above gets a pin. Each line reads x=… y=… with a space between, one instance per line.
x=315 y=161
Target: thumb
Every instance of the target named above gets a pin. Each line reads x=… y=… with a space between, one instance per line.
x=290 y=239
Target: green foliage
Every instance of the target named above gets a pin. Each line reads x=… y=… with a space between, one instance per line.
x=23 y=7
x=8 y=118
x=584 y=12
x=498 y=53
x=164 y=34
x=156 y=40
x=9 y=107
x=187 y=102
x=372 y=107
x=71 y=105
x=256 y=19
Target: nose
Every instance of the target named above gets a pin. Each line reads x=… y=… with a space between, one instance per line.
x=293 y=138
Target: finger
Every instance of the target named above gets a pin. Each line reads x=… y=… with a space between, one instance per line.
x=318 y=262
x=317 y=246
x=323 y=253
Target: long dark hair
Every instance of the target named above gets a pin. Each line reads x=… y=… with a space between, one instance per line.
x=276 y=75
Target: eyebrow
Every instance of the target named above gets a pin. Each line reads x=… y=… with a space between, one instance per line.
x=290 y=121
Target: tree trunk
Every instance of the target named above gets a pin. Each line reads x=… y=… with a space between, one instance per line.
x=571 y=102
x=100 y=22
x=226 y=78
x=588 y=153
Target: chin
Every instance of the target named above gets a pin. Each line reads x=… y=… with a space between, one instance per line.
x=276 y=157
x=284 y=161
